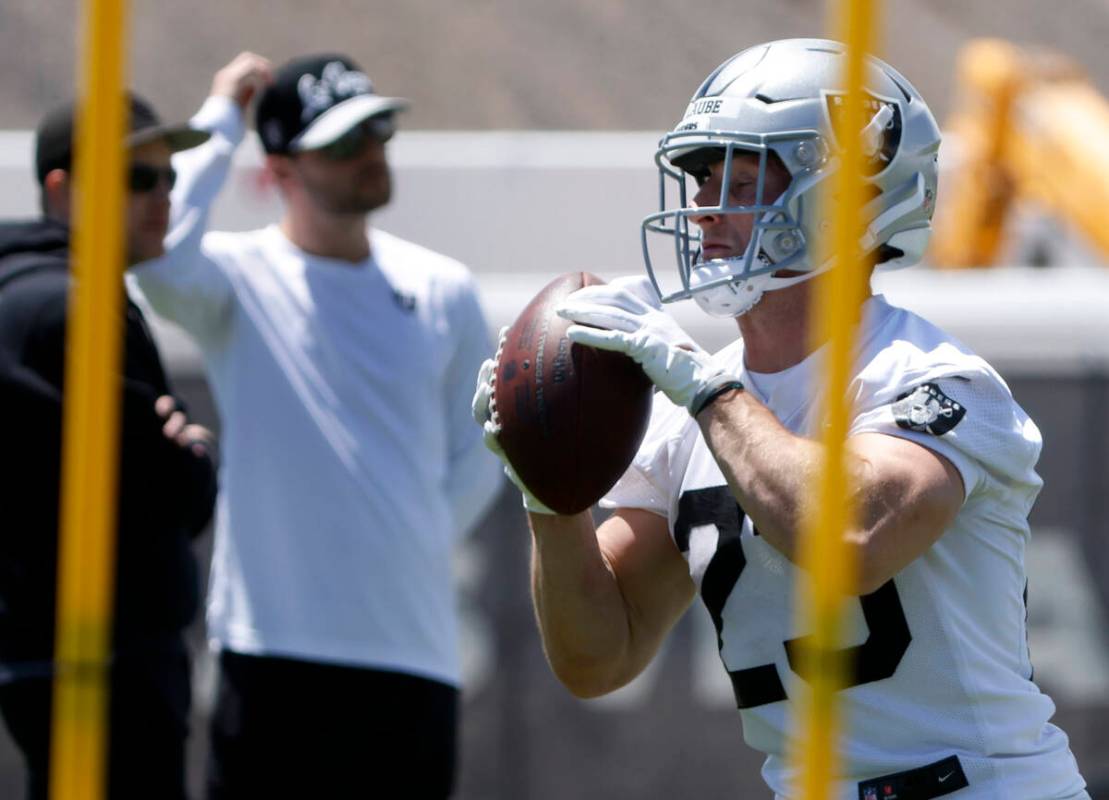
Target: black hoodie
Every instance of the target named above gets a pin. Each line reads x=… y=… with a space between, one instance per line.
x=166 y=492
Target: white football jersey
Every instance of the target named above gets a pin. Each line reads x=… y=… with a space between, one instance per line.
x=941 y=658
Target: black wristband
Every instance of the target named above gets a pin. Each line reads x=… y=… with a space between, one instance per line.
x=712 y=390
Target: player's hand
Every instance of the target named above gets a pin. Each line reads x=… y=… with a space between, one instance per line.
x=627 y=317
x=176 y=427
x=485 y=414
x=245 y=76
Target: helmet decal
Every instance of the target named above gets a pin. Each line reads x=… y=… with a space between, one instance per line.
x=880 y=152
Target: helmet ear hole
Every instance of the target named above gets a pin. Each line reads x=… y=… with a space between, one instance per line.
x=887 y=252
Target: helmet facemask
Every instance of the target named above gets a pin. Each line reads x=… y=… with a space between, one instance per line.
x=728 y=287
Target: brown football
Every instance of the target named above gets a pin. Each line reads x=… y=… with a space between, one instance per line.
x=571 y=417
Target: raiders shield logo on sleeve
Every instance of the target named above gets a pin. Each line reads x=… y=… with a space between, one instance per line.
x=928 y=410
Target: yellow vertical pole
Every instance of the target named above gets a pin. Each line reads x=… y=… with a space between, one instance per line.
x=824 y=556
x=86 y=558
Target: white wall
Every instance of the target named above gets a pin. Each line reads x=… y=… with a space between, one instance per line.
x=522 y=207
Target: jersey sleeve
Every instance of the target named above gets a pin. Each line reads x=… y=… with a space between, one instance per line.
x=964 y=413
x=648 y=483
x=189 y=283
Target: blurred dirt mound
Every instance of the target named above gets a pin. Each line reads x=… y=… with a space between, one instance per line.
x=516 y=64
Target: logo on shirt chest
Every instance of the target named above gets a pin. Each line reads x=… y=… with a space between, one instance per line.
x=406 y=301
x=926 y=409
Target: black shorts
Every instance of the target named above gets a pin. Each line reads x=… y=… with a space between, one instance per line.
x=289 y=728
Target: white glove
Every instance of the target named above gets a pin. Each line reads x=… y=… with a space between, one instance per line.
x=484 y=410
x=628 y=318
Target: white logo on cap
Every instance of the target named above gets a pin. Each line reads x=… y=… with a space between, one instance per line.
x=336 y=83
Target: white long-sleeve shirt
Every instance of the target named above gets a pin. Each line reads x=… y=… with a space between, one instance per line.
x=349 y=458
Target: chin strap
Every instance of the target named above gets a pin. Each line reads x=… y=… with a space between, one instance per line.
x=776 y=282
x=757 y=285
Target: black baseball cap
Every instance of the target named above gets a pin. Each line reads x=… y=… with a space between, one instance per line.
x=54 y=135
x=314 y=100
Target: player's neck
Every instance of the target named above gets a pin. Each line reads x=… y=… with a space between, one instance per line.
x=776 y=332
x=779 y=333
x=338 y=236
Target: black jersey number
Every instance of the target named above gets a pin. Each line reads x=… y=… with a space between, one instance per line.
x=873 y=660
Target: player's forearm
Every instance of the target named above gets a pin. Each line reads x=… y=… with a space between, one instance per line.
x=904 y=497
x=578 y=605
x=770 y=470
x=183 y=279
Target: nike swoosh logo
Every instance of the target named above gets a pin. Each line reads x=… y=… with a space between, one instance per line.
x=945 y=777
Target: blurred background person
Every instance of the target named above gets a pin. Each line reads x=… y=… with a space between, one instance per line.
x=341 y=359
x=167 y=482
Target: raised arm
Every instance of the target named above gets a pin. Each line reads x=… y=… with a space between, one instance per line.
x=187 y=284
x=202 y=170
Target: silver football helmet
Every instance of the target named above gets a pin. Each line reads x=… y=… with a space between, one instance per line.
x=780 y=100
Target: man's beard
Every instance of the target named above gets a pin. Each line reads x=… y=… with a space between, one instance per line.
x=355 y=196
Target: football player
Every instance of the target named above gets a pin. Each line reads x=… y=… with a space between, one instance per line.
x=941 y=698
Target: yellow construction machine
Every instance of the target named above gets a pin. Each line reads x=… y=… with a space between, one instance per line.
x=1027 y=126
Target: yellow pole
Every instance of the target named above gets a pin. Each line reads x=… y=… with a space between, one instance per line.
x=824 y=556
x=86 y=559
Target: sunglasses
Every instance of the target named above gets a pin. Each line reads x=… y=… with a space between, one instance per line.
x=378 y=129
x=144 y=177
